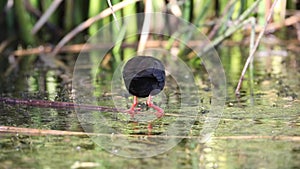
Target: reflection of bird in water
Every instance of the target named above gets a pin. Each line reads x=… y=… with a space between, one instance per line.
x=144 y=76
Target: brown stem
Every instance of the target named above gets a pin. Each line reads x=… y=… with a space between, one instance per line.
x=218 y=24
x=37 y=14
x=42 y=132
x=88 y=23
x=89 y=47
x=251 y=55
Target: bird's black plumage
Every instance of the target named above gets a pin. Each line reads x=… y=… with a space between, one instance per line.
x=144 y=76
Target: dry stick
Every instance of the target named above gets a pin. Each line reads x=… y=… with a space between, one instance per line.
x=89 y=22
x=238 y=23
x=88 y=47
x=228 y=33
x=76 y=48
x=45 y=16
x=252 y=41
x=297 y=26
x=146 y=26
x=113 y=13
x=287 y=22
x=42 y=132
x=218 y=24
x=5 y=43
x=241 y=21
x=251 y=55
x=37 y=14
x=66 y=49
x=174 y=8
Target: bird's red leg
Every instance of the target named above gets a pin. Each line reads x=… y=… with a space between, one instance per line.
x=131 y=111
x=159 y=111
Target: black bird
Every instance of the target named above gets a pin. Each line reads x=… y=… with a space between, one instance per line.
x=144 y=76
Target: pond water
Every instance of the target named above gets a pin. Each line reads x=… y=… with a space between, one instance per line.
x=261 y=129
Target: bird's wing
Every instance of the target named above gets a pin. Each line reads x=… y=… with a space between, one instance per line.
x=159 y=71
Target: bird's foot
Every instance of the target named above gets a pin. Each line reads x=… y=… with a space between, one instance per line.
x=132 y=111
x=159 y=113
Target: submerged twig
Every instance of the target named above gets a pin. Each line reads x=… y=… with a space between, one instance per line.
x=53 y=104
x=38 y=132
x=256 y=137
x=71 y=105
x=42 y=132
x=251 y=55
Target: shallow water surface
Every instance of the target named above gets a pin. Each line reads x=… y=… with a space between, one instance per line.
x=258 y=130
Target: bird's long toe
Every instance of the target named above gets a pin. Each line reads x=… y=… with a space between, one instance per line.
x=131 y=112
x=159 y=113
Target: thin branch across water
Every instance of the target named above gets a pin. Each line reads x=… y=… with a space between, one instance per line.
x=40 y=132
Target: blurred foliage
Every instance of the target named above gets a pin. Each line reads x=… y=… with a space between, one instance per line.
x=19 y=16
